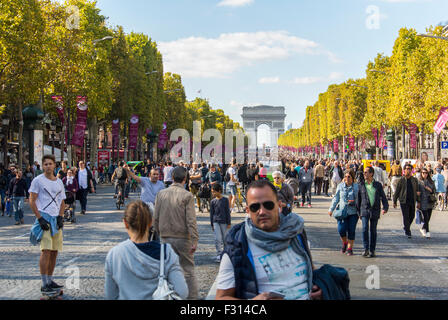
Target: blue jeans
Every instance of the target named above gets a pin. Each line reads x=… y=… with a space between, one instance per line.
x=3 y=196
x=18 y=207
x=369 y=242
x=348 y=226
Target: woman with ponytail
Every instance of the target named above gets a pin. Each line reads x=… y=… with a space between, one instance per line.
x=132 y=267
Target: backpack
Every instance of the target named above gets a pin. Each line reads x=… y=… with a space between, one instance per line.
x=227 y=176
x=121 y=174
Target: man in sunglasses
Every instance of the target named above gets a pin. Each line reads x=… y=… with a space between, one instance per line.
x=267 y=256
x=407 y=192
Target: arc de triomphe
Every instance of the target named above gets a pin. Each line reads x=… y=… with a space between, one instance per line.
x=273 y=117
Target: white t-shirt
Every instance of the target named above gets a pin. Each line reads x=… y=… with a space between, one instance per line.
x=231 y=171
x=285 y=272
x=167 y=174
x=83 y=179
x=49 y=194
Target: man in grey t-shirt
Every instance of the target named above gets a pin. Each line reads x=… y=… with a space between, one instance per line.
x=150 y=186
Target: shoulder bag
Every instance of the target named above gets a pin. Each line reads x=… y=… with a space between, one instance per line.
x=164 y=290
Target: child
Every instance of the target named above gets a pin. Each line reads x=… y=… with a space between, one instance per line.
x=219 y=218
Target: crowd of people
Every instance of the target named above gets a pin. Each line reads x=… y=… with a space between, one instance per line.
x=249 y=253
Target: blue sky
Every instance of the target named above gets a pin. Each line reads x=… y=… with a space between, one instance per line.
x=281 y=53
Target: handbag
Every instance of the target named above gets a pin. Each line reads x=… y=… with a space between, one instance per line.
x=164 y=289
x=419 y=217
x=340 y=214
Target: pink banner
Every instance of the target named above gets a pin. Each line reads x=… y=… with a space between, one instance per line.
x=413 y=133
x=81 y=122
x=163 y=137
x=322 y=149
x=115 y=133
x=335 y=145
x=375 y=135
x=441 y=121
x=133 y=132
x=352 y=143
x=363 y=144
x=59 y=100
x=381 y=141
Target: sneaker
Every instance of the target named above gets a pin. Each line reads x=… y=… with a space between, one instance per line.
x=428 y=235
x=344 y=248
x=350 y=252
x=372 y=254
x=48 y=290
x=54 y=285
x=22 y=221
x=309 y=206
x=17 y=223
x=83 y=212
x=366 y=253
x=423 y=232
x=303 y=205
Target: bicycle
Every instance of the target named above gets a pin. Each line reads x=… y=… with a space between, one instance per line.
x=204 y=195
x=120 y=197
x=239 y=199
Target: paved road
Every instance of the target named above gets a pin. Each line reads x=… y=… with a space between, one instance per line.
x=408 y=269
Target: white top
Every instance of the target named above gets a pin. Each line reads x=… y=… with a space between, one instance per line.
x=49 y=194
x=83 y=179
x=231 y=171
x=284 y=272
x=168 y=174
x=336 y=178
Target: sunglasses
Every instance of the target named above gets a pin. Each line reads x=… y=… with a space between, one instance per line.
x=268 y=205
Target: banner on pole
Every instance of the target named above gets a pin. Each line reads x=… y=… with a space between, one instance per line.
x=441 y=121
x=133 y=132
x=115 y=132
x=81 y=121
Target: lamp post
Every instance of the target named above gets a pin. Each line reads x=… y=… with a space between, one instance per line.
x=5 y=133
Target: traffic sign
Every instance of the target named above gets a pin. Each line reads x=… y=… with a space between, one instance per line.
x=444 y=144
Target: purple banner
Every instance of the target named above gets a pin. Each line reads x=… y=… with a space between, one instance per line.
x=133 y=132
x=163 y=137
x=81 y=121
x=115 y=133
x=375 y=135
x=335 y=145
x=352 y=143
x=413 y=133
x=382 y=141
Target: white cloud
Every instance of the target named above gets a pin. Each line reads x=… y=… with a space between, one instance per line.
x=312 y=80
x=269 y=80
x=198 y=57
x=235 y=3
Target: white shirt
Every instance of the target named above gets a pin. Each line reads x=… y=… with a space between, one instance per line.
x=49 y=194
x=378 y=175
x=83 y=179
x=284 y=272
x=167 y=174
x=231 y=171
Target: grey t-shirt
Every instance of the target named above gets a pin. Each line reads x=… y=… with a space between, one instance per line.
x=150 y=190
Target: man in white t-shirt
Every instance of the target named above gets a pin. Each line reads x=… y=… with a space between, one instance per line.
x=47 y=195
x=267 y=256
x=168 y=174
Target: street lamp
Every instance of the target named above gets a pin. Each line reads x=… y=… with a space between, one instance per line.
x=431 y=36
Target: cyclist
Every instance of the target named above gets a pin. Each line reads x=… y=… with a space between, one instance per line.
x=121 y=175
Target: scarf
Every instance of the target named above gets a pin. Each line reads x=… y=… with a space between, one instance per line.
x=69 y=181
x=290 y=226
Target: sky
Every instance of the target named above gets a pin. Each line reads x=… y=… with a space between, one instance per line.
x=239 y=53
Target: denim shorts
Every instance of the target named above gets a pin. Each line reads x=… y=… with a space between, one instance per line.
x=233 y=190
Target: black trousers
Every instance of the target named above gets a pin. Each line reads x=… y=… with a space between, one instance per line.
x=318 y=185
x=82 y=197
x=426 y=217
x=408 y=212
